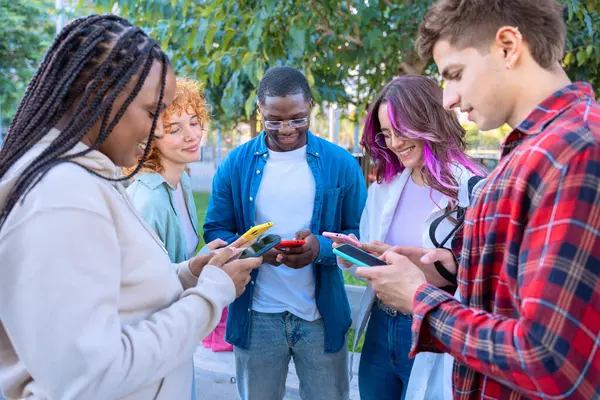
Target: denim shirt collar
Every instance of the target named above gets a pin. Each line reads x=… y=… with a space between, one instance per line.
x=312 y=147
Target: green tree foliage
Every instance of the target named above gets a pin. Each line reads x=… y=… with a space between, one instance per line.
x=582 y=59
x=347 y=48
x=26 y=30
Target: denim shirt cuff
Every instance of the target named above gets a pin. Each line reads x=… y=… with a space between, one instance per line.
x=326 y=255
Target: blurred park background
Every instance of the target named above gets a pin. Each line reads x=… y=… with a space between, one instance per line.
x=348 y=49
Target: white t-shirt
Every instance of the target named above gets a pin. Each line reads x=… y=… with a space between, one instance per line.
x=286 y=197
x=191 y=237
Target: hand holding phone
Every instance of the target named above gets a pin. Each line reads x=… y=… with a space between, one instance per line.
x=340 y=238
x=302 y=256
x=239 y=271
x=261 y=246
x=357 y=256
x=290 y=244
x=217 y=258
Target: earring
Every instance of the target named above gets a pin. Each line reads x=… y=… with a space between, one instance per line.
x=508 y=65
x=518 y=33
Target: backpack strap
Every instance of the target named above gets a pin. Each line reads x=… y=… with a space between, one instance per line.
x=473 y=181
x=460 y=217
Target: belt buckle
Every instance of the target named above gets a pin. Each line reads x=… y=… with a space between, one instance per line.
x=391 y=311
x=387 y=309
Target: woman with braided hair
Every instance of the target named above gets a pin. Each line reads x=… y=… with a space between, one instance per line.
x=91 y=307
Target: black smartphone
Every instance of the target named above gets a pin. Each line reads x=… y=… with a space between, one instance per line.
x=262 y=245
x=357 y=256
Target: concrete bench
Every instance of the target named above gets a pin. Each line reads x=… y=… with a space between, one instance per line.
x=355 y=294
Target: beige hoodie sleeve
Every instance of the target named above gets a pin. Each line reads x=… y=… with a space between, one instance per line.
x=186 y=277
x=58 y=302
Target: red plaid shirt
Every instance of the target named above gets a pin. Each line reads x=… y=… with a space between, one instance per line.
x=528 y=325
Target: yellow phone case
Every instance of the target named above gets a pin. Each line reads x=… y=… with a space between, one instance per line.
x=256 y=231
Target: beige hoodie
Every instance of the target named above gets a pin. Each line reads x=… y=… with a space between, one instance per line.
x=90 y=305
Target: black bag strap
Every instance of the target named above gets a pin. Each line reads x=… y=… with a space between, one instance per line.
x=460 y=217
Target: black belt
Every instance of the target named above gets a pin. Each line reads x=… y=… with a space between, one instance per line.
x=392 y=312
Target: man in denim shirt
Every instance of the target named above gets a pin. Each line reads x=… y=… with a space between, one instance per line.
x=295 y=305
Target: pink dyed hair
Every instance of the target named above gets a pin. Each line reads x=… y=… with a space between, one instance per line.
x=416 y=111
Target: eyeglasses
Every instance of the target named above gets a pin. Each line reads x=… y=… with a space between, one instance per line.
x=382 y=138
x=292 y=123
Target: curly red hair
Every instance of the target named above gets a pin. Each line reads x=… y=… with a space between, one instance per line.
x=189 y=97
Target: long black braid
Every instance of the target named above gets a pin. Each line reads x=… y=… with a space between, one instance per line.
x=90 y=62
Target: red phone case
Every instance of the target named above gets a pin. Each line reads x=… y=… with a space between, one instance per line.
x=290 y=243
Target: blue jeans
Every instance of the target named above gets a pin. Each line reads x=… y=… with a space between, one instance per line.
x=384 y=364
x=274 y=339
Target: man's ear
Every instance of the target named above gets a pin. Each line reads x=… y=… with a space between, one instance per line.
x=510 y=42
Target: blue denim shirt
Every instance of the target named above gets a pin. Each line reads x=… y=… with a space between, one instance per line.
x=339 y=200
x=154 y=199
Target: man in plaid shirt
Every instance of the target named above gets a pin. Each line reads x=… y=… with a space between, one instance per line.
x=528 y=323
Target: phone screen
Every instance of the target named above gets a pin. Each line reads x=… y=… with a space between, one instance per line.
x=263 y=245
x=358 y=255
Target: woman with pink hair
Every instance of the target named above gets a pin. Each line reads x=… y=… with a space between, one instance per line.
x=423 y=179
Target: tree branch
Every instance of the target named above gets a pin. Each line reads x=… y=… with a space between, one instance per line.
x=413 y=69
x=323 y=19
x=327 y=31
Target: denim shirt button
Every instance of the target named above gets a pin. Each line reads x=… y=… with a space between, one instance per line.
x=251 y=199
x=257 y=153
x=258 y=171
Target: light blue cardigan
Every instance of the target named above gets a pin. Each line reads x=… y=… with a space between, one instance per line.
x=154 y=198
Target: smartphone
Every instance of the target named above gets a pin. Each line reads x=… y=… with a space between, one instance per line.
x=256 y=231
x=288 y=244
x=261 y=246
x=341 y=238
x=356 y=256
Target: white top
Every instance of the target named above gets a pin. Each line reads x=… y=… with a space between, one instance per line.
x=414 y=206
x=286 y=197
x=191 y=237
x=431 y=375
x=90 y=305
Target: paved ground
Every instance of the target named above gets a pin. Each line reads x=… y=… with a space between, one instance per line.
x=215 y=377
x=215 y=372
